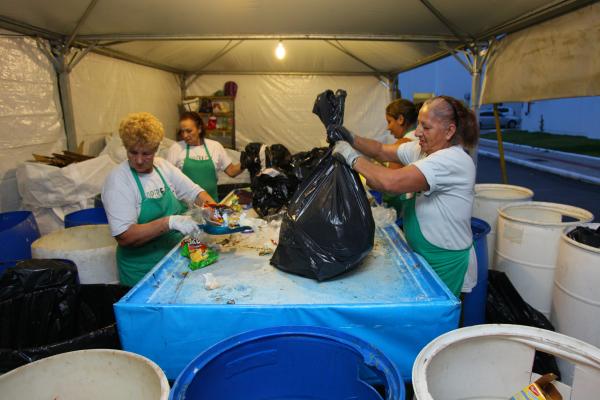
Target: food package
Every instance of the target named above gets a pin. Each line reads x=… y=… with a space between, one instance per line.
x=200 y=254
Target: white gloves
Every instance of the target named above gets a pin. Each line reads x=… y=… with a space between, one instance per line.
x=184 y=224
x=345 y=153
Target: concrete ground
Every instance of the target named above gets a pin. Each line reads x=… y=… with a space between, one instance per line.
x=546 y=187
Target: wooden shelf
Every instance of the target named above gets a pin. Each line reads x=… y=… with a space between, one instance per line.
x=219 y=114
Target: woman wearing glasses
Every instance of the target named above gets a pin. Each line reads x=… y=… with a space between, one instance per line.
x=142 y=197
x=439 y=177
x=200 y=158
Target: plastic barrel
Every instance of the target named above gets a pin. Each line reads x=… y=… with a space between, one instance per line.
x=90 y=247
x=474 y=302
x=576 y=298
x=527 y=246
x=18 y=230
x=495 y=362
x=489 y=197
x=87 y=374
x=288 y=363
x=89 y=216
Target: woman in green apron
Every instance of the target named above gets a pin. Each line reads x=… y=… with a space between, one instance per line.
x=401 y=118
x=142 y=198
x=199 y=158
x=438 y=179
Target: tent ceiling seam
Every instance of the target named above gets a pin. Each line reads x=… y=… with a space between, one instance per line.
x=218 y=55
x=465 y=38
x=341 y=48
x=79 y=24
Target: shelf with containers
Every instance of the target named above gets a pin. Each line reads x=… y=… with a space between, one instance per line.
x=218 y=114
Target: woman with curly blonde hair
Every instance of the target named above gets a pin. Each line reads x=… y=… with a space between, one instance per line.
x=142 y=200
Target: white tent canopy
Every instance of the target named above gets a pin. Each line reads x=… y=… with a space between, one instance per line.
x=114 y=57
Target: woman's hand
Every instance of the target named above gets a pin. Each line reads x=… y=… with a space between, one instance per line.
x=339 y=132
x=183 y=223
x=345 y=153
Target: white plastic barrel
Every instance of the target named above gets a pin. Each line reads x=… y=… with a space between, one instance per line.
x=576 y=297
x=489 y=362
x=97 y=374
x=90 y=247
x=527 y=246
x=489 y=197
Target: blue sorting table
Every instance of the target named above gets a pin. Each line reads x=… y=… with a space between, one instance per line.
x=394 y=301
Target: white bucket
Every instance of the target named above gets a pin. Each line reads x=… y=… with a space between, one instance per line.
x=486 y=362
x=87 y=374
x=527 y=246
x=489 y=197
x=576 y=297
x=90 y=247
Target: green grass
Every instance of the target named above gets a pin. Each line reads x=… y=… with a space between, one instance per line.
x=570 y=144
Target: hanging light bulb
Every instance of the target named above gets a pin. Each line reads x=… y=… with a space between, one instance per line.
x=280 y=51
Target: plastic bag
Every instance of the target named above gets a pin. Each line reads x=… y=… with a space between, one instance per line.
x=585 y=235
x=199 y=253
x=45 y=312
x=271 y=191
x=505 y=306
x=257 y=157
x=328 y=228
x=305 y=162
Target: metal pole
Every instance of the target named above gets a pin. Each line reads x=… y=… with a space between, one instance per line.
x=66 y=101
x=500 y=145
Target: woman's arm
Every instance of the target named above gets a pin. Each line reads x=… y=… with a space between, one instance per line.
x=139 y=234
x=234 y=170
x=202 y=198
x=403 y=180
x=377 y=150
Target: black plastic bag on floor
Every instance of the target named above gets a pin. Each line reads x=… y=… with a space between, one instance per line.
x=271 y=191
x=305 y=162
x=45 y=311
x=585 y=235
x=506 y=306
x=273 y=156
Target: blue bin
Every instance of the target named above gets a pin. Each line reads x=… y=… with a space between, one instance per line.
x=474 y=302
x=18 y=230
x=89 y=216
x=285 y=363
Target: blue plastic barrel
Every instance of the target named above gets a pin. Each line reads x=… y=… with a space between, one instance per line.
x=89 y=216
x=18 y=230
x=289 y=362
x=474 y=302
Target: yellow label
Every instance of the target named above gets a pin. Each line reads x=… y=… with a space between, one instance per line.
x=531 y=392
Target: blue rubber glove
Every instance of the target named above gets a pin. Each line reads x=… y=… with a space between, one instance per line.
x=339 y=132
x=345 y=153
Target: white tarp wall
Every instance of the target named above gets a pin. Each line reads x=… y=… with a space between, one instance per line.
x=30 y=113
x=278 y=108
x=105 y=90
x=558 y=58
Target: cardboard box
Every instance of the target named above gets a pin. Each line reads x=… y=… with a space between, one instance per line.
x=541 y=389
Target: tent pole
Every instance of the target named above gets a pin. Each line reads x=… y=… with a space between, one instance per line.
x=500 y=144
x=66 y=101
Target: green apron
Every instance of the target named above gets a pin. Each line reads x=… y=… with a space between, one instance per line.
x=202 y=172
x=135 y=262
x=395 y=201
x=450 y=265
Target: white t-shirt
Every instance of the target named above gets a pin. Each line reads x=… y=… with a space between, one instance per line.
x=444 y=211
x=410 y=135
x=122 y=199
x=220 y=158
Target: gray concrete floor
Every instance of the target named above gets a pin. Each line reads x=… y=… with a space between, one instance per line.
x=546 y=187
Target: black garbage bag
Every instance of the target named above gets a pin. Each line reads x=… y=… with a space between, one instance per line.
x=271 y=191
x=329 y=107
x=304 y=163
x=585 y=235
x=51 y=314
x=36 y=274
x=328 y=228
x=250 y=158
x=275 y=156
x=505 y=306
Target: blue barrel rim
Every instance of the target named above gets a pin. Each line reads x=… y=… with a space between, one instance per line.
x=9 y=215
x=371 y=356
x=86 y=216
x=484 y=227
